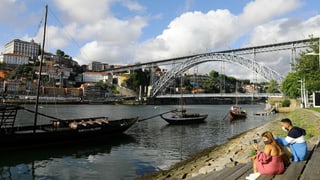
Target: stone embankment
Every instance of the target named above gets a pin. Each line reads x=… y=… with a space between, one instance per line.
x=238 y=149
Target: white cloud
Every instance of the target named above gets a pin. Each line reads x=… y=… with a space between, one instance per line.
x=102 y=35
x=133 y=6
x=190 y=33
x=84 y=11
x=195 y=32
x=259 y=11
x=283 y=30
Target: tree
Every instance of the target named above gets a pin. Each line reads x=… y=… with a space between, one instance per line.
x=290 y=86
x=137 y=78
x=24 y=71
x=102 y=85
x=273 y=87
x=60 y=53
x=213 y=74
x=307 y=69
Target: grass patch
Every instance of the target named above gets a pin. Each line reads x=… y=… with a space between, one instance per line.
x=304 y=118
x=315 y=109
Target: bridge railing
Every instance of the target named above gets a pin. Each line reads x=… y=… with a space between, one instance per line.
x=208 y=95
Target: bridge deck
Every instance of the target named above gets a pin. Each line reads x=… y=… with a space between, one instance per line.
x=208 y=95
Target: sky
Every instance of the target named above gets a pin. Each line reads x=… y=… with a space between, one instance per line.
x=133 y=31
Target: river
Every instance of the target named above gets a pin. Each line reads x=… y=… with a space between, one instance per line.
x=146 y=147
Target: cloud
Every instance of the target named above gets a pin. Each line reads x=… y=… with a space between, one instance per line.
x=196 y=32
x=15 y=17
x=103 y=52
x=103 y=36
x=259 y=11
x=6 y=11
x=285 y=29
x=111 y=45
x=192 y=32
x=282 y=30
x=133 y=6
x=83 y=11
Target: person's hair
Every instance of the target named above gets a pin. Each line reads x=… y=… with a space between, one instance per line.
x=286 y=120
x=270 y=137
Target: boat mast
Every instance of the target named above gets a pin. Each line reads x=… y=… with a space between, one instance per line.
x=40 y=71
x=181 y=93
x=236 y=92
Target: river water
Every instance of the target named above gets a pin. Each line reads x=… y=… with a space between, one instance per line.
x=146 y=147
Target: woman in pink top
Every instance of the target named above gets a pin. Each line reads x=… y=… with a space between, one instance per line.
x=268 y=161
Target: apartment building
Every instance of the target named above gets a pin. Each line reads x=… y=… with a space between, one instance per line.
x=30 y=49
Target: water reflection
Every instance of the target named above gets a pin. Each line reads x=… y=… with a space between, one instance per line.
x=150 y=145
x=37 y=163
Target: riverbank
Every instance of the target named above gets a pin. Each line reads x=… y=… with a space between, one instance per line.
x=238 y=149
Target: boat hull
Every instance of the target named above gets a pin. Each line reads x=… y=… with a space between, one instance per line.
x=235 y=116
x=185 y=120
x=48 y=134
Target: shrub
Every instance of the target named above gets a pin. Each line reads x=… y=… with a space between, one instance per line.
x=286 y=103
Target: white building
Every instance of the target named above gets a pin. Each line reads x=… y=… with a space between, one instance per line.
x=88 y=77
x=17 y=46
x=14 y=59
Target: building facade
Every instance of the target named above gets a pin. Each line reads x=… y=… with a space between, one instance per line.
x=17 y=59
x=90 y=77
x=17 y=46
x=95 y=66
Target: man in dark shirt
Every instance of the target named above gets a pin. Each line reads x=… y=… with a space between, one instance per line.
x=295 y=140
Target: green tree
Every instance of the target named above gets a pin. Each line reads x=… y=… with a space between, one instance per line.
x=137 y=78
x=102 y=85
x=59 y=52
x=213 y=74
x=307 y=69
x=273 y=87
x=290 y=86
x=24 y=71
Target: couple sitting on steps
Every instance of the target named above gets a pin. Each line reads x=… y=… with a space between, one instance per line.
x=272 y=160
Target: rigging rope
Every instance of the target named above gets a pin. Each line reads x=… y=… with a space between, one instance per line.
x=150 y=117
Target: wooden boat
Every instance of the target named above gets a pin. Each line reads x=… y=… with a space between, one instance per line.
x=237 y=113
x=181 y=117
x=58 y=131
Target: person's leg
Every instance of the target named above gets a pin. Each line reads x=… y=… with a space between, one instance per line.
x=255 y=165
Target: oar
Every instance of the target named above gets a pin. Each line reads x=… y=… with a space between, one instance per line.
x=41 y=114
x=156 y=115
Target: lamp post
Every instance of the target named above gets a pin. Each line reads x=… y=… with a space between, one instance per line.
x=304 y=97
x=301 y=91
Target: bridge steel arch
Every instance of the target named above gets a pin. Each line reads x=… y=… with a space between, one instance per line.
x=266 y=72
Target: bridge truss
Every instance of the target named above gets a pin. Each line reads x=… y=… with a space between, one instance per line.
x=266 y=72
x=234 y=56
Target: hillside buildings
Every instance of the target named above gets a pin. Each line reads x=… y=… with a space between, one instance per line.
x=17 y=46
x=62 y=76
x=19 y=52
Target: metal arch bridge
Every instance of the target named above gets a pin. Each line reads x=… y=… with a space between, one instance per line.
x=266 y=72
x=290 y=45
x=232 y=56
